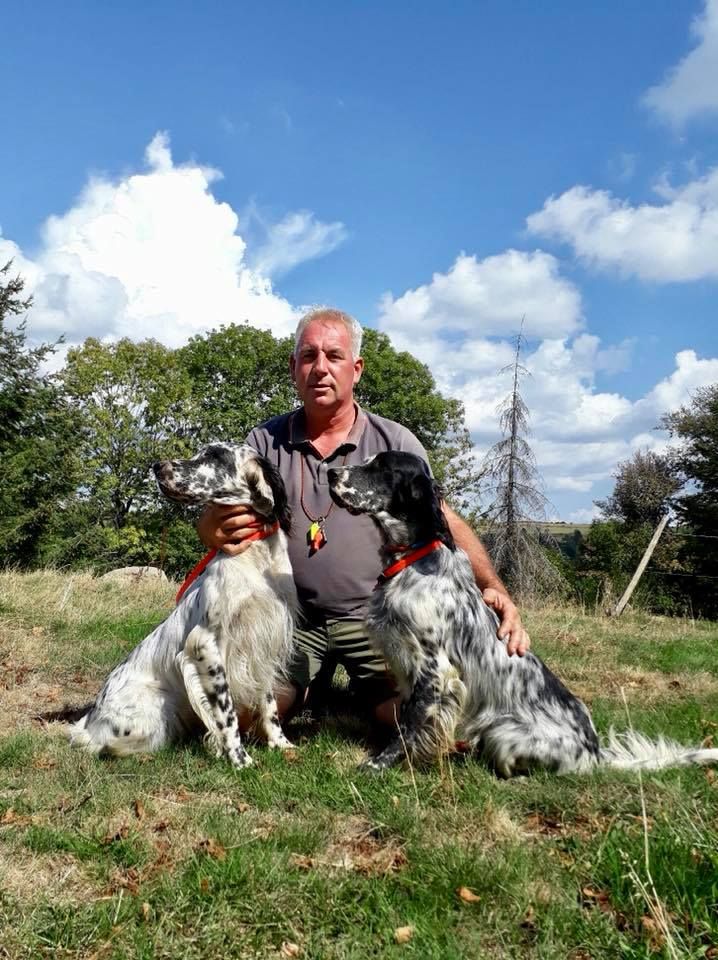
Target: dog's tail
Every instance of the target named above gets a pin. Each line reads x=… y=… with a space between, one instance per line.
x=634 y=751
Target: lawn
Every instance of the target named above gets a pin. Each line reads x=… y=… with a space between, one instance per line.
x=177 y=855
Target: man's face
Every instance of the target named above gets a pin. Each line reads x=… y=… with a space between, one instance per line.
x=322 y=366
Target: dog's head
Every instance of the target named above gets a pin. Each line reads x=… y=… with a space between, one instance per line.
x=226 y=473
x=396 y=489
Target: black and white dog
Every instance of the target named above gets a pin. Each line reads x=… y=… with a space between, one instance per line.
x=428 y=620
x=226 y=643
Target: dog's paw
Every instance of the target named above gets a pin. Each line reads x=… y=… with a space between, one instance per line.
x=239 y=757
x=373 y=765
x=280 y=742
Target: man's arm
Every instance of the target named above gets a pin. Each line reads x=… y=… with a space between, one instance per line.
x=493 y=591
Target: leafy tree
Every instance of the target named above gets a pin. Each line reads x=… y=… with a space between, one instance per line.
x=238 y=377
x=696 y=426
x=512 y=535
x=37 y=433
x=133 y=405
x=643 y=490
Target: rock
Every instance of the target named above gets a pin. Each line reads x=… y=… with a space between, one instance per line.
x=135 y=574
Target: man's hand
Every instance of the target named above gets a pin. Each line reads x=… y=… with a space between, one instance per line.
x=510 y=627
x=227 y=528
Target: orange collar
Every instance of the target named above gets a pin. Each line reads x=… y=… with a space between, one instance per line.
x=412 y=556
x=198 y=570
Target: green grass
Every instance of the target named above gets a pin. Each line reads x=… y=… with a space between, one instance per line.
x=176 y=854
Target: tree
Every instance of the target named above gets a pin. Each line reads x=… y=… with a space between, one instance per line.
x=37 y=433
x=511 y=533
x=643 y=490
x=238 y=376
x=133 y=405
x=696 y=427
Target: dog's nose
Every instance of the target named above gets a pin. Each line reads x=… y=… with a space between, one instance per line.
x=159 y=466
x=332 y=475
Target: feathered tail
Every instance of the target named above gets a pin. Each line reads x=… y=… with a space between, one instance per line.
x=634 y=751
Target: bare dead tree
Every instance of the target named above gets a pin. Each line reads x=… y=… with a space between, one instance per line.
x=510 y=529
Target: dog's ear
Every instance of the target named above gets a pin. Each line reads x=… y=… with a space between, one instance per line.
x=268 y=492
x=441 y=527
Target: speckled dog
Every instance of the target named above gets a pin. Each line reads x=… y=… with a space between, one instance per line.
x=428 y=620
x=226 y=643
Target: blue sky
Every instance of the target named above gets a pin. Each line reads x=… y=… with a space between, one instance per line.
x=439 y=170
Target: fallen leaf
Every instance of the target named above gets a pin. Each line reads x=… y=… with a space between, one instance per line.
x=290 y=756
x=529 y=920
x=302 y=861
x=403 y=934
x=44 y=763
x=182 y=795
x=712 y=953
x=204 y=884
x=139 y=809
x=161 y=826
x=242 y=807
x=710 y=775
x=467 y=895
x=120 y=834
x=656 y=936
x=395 y=801
x=290 y=949
x=145 y=911
x=212 y=849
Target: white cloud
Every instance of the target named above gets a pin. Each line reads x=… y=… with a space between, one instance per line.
x=585 y=515
x=488 y=298
x=295 y=239
x=691 y=87
x=578 y=432
x=669 y=242
x=153 y=254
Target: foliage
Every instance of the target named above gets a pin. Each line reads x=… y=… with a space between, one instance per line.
x=37 y=433
x=608 y=557
x=696 y=426
x=644 y=487
x=512 y=535
x=238 y=377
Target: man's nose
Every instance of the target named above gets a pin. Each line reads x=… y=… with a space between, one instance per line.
x=320 y=363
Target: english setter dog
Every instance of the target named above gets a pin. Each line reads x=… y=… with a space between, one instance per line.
x=226 y=643
x=428 y=620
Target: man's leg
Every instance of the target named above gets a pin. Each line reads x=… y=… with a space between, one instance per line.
x=308 y=653
x=370 y=678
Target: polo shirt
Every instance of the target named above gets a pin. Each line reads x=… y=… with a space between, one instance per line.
x=338 y=579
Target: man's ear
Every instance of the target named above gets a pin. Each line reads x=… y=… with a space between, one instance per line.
x=358 y=369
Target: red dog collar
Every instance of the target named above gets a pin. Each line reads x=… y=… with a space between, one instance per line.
x=198 y=570
x=412 y=556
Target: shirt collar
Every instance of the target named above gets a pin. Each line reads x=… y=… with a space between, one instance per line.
x=297 y=430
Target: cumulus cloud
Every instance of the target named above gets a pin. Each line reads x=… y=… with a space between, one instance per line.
x=489 y=298
x=295 y=239
x=691 y=87
x=154 y=254
x=578 y=431
x=669 y=242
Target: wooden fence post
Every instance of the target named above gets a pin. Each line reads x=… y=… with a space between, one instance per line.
x=641 y=567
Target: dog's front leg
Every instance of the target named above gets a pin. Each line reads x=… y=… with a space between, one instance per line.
x=203 y=653
x=269 y=719
x=414 y=726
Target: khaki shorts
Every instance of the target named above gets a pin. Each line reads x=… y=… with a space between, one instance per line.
x=346 y=641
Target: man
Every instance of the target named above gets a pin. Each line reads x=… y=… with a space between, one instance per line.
x=335 y=556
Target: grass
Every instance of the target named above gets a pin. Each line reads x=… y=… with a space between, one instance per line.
x=175 y=854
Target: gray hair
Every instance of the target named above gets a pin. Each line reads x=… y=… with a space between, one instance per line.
x=331 y=315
